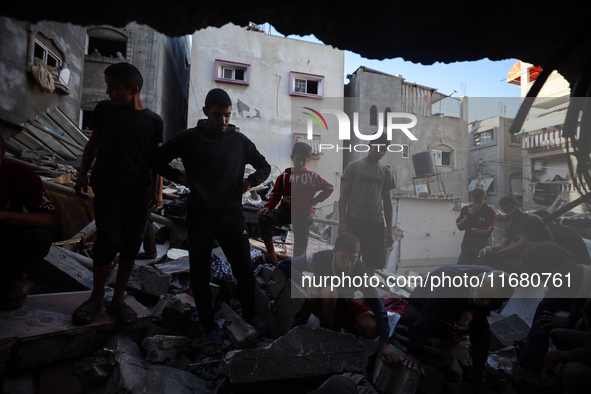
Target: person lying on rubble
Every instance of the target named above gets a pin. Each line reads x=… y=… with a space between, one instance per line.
x=453 y=309
x=568 y=280
x=296 y=190
x=333 y=305
x=214 y=155
x=27 y=217
x=124 y=133
x=522 y=231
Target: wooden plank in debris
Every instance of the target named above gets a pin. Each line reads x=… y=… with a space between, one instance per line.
x=175 y=266
x=60 y=272
x=280 y=252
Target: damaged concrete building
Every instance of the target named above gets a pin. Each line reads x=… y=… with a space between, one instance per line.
x=40 y=350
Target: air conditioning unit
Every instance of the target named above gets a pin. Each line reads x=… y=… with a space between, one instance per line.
x=538 y=165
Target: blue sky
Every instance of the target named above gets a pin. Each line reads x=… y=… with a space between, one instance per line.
x=483 y=81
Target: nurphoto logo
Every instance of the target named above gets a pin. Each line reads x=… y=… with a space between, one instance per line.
x=393 y=120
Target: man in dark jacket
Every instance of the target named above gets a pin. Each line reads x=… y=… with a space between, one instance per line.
x=214 y=155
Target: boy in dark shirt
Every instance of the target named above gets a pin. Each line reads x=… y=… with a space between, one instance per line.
x=214 y=155
x=27 y=217
x=124 y=133
x=522 y=231
x=296 y=189
x=478 y=222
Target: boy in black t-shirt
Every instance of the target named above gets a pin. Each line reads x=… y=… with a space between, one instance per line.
x=124 y=134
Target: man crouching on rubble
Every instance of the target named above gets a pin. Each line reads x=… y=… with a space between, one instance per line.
x=25 y=238
x=448 y=312
x=214 y=155
x=331 y=304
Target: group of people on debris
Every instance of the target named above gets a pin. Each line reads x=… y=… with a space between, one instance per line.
x=533 y=248
x=125 y=146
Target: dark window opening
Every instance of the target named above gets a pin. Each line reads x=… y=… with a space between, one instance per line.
x=107 y=47
x=312 y=87
x=86 y=118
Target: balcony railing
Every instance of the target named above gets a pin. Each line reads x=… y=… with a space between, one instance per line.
x=547 y=139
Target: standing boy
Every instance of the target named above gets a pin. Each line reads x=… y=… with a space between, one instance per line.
x=215 y=155
x=478 y=222
x=296 y=190
x=124 y=134
x=365 y=203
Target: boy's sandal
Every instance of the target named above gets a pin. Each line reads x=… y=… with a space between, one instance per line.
x=259 y=325
x=12 y=298
x=122 y=313
x=91 y=308
x=212 y=338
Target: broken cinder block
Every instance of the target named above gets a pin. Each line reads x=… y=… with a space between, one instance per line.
x=135 y=376
x=505 y=332
x=160 y=348
x=238 y=331
x=302 y=352
x=394 y=380
x=146 y=280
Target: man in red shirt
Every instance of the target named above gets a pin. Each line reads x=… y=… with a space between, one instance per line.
x=27 y=217
x=297 y=190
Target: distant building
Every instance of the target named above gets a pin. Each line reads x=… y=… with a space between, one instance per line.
x=495 y=159
x=546 y=177
x=163 y=61
x=441 y=129
x=42 y=71
x=52 y=77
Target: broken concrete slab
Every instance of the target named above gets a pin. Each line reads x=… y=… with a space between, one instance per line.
x=505 y=332
x=59 y=271
x=163 y=348
x=41 y=331
x=236 y=329
x=171 y=311
x=302 y=352
x=276 y=282
x=135 y=376
x=94 y=371
x=284 y=312
x=124 y=344
x=394 y=380
x=145 y=280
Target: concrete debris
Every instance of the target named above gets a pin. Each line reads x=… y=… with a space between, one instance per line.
x=505 y=332
x=135 y=376
x=171 y=311
x=239 y=332
x=94 y=371
x=124 y=344
x=284 y=308
x=394 y=380
x=146 y=280
x=164 y=348
x=302 y=352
